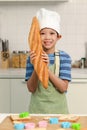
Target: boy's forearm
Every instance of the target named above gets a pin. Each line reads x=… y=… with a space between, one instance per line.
x=60 y=85
x=32 y=83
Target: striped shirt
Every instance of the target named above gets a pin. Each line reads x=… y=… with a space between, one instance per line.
x=65 y=66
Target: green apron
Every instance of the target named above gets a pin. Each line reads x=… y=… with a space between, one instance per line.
x=48 y=101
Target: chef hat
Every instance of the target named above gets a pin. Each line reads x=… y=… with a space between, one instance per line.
x=49 y=19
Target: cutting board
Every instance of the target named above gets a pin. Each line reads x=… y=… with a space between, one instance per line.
x=8 y=124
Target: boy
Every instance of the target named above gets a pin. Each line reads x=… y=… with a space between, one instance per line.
x=53 y=99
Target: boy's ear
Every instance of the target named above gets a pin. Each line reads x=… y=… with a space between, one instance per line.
x=59 y=36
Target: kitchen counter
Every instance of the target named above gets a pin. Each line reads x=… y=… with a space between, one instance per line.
x=12 y=73
x=20 y=73
x=79 y=73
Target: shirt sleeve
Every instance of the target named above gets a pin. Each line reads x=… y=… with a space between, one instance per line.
x=29 y=69
x=65 y=66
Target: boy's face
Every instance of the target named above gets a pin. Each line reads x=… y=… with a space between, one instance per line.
x=49 y=38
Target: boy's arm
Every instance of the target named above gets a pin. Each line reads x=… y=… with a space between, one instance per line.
x=60 y=85
x=32 y=82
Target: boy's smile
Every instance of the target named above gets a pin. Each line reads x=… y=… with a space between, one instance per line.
x=47 y=42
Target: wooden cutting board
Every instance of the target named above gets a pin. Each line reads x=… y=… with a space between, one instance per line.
x=8 y=124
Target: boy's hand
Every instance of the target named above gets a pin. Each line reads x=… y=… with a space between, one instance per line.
x=32 y=56
x=45 y=57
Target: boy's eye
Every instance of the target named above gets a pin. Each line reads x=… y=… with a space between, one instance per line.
x=52 y=33
x=42 y=33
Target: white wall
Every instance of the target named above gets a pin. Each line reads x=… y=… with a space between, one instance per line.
x=15 y=20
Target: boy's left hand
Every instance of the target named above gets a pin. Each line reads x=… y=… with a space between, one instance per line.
x=45 y=57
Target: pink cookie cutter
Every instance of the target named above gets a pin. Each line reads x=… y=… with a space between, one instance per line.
x=29 y=125
x=42 y=124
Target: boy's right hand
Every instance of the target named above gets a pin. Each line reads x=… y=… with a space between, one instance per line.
x=32 y=56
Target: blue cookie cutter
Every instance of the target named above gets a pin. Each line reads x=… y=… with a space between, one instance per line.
x=53 y=120
x=65 y=124
x=19 y=126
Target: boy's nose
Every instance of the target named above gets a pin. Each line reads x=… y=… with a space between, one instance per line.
x=47 y=36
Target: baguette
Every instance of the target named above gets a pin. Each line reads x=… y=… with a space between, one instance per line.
x=35 y=45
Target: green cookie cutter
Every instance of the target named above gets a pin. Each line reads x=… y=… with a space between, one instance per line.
x=24 y=114
x=76 y=126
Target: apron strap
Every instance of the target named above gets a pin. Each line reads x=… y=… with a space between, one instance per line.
x=57 y=63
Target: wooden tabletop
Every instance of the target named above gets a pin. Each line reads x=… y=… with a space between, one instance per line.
x=7 y=124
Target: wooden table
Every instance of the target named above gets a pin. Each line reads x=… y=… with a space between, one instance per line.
x=7 y=124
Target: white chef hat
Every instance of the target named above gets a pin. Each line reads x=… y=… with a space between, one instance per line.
x=49 y=19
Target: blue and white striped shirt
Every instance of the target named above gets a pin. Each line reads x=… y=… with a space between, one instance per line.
x=65 y=66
